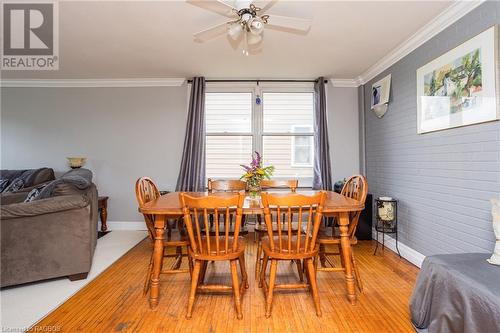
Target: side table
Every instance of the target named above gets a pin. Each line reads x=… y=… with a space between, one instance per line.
x=102 y=206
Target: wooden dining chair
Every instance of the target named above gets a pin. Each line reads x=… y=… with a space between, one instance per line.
x=221 y=246
x=289 y=244
x=146 y=191
x=288 y=184
x=356 y=188
x=226 y=185
x=261 y=228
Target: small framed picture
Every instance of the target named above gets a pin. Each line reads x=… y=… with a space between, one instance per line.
x=381 y=91
x=460 y=87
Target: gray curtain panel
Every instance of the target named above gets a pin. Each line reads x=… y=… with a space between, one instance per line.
x=322 y=179
x=192 y=173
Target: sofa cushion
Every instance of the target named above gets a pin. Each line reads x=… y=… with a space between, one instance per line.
x=34 y=193
x=80 y=179
x=16 y=180
x=12 y=197
x=41 y=176
x=3 y=184
x=15 y=185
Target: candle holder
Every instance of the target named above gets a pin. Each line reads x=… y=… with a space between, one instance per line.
x=387 y=220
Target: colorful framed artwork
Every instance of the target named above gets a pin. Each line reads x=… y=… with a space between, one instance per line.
x=460 y=87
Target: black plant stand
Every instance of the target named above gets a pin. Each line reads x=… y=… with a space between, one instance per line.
x=386 y=226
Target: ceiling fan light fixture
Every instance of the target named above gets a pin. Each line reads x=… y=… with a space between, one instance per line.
x=253 y=39
x=247 y=22
x=235 y=29
x=256 y=25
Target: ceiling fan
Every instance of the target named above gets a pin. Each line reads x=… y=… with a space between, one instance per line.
x=248 y=21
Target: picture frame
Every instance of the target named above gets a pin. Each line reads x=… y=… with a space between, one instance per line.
x=460 y=87
x=380 y=96
x=381 y=91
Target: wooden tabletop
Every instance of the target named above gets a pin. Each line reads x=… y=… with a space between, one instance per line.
x=169 y=204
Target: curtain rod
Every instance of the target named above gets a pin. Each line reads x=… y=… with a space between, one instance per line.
x=257 y=81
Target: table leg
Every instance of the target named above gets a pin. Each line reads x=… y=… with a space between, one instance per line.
x=345 y=243
x=157 y=261
x=104 y=217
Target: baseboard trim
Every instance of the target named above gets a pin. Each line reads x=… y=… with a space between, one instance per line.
x=125 y=225
x=407 y=252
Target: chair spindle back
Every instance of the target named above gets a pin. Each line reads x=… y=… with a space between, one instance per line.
x=226 y=185
x=196 y=211
x=356 y=187
x=146 y=191
x=290 y=184
x=289 y=240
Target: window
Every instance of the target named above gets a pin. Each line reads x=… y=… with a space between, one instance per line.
x=280 y=127
x=229 y=133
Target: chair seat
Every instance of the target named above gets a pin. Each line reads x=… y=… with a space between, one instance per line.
x=213 y=256
x=285 y=254
x=332 y=236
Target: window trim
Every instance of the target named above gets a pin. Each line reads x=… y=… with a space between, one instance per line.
x=257 y=115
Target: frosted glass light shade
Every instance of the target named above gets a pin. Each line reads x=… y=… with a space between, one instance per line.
x=256 y=26
x=253 y=39
x=235 y=30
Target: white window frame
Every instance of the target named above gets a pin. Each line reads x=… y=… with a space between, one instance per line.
x=258 y=110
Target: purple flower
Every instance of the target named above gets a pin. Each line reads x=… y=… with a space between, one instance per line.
x=258 y=157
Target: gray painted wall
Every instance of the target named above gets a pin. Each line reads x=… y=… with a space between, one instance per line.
x=127 y=133
x=444 y=179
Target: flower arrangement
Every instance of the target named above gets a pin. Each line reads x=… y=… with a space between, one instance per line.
x=255 y=173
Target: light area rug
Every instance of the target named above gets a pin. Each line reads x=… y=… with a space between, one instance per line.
x=23 y=306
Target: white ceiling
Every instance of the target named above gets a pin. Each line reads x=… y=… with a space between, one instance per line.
x=153 y=39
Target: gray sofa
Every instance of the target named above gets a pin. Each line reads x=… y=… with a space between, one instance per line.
x=48 y=238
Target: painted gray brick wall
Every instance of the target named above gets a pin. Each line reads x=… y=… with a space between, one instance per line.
x=444 y=179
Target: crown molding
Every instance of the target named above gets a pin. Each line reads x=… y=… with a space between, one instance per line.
x=345 y=83
x=91 y=83
x=451 y=14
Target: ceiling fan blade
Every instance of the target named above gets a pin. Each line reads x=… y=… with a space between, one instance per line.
x=217 y=6
x=264 y=4
x=289 y=23
x=211 y=33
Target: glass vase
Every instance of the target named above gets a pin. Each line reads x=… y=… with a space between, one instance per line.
x=254 y=190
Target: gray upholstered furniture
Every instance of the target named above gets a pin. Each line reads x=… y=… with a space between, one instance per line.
x=48 y=238
x=29 y=178
x=457 y=293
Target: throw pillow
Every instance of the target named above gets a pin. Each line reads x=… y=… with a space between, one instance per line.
x=34 y=193
x=3 y=184
x=15 y=185
x=495 y=211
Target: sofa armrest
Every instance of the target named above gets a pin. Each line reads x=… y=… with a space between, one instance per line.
x=44 y=206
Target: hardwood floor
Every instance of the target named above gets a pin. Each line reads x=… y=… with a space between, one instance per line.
x=113 y=302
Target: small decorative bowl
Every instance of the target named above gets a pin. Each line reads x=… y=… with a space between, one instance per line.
x=76 y=162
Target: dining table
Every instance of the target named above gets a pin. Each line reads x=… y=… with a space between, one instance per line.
x=169 y=206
